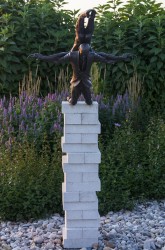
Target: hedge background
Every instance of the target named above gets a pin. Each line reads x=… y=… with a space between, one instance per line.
x=137 y=27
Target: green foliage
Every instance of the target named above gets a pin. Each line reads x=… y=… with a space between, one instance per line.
x=154 y=159
x=28 y=27
x=30 y=182
x=119 y=170
x=132 y=143
x=30 y=156
x=138 y=27
x=132 y=166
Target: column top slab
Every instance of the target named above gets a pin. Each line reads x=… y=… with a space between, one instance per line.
x=80 y=107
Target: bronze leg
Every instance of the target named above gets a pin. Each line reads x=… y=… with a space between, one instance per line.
x=75 y=94
x=86 y=91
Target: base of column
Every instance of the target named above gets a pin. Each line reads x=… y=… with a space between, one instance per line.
x=79 y=237
x=78 y=243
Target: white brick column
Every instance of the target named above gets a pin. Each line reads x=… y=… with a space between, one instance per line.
x=81 y=181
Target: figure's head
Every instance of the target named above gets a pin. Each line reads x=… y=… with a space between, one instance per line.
x=84 y=48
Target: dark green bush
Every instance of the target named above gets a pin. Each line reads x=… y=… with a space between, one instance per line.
x=30 y=156
x=154 y=159
x=137 y=27
x=29 y=27
x=119 y=169
x=132 y=166
x=31 y=182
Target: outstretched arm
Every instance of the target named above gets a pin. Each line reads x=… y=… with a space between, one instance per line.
x=111 y=57
x=98 y=57
x=55 y=58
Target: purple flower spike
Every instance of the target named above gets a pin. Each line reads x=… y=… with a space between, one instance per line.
x=117 y=125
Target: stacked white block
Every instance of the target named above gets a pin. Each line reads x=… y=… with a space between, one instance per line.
x=81 y=181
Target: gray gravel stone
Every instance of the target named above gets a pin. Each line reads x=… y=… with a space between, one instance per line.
x=140 y=229
x=38 y=240
x=149 y=244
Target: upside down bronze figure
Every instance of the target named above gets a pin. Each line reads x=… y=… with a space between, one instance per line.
x=84 y=34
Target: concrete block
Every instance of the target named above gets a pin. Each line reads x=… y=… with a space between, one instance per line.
x=75 y=129
x=82 y=214
x=71 y=138
x=87 y=196
x=73 y=177
x=89 y=233
x=70 y=197
x=89 y=176
x=91 y=214
x=89 y=118
x=74 y=243
x=72 y=233
x=73 y=158
x=80 y=138
x=81 y=223
x=93 y=157
x=79 y=147
x=80 y=107
x=64 y=159
x=72 y=119
x=80 y=168
x=74 y=215
x=89 y=138
x=63 y=187
x=82 y=186
x=76 y=157
x=72 y=206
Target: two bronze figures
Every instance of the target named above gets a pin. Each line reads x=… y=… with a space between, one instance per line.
x=81 y=57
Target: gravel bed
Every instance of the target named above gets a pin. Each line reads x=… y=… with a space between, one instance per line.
x=140 y=229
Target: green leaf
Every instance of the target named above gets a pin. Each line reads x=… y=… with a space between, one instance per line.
x=3 y=63
x=114 y=69
x=14 y=59
x=3 y=77
x=156 y=51
x=153 y=59
x=159 y=65
x=162 y=56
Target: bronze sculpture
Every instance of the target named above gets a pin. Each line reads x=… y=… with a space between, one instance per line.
x=81 y=58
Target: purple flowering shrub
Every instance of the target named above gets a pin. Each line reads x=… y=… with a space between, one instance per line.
x=33 y=117
x=30 y=155
x=30 y=152
x=30 y=116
